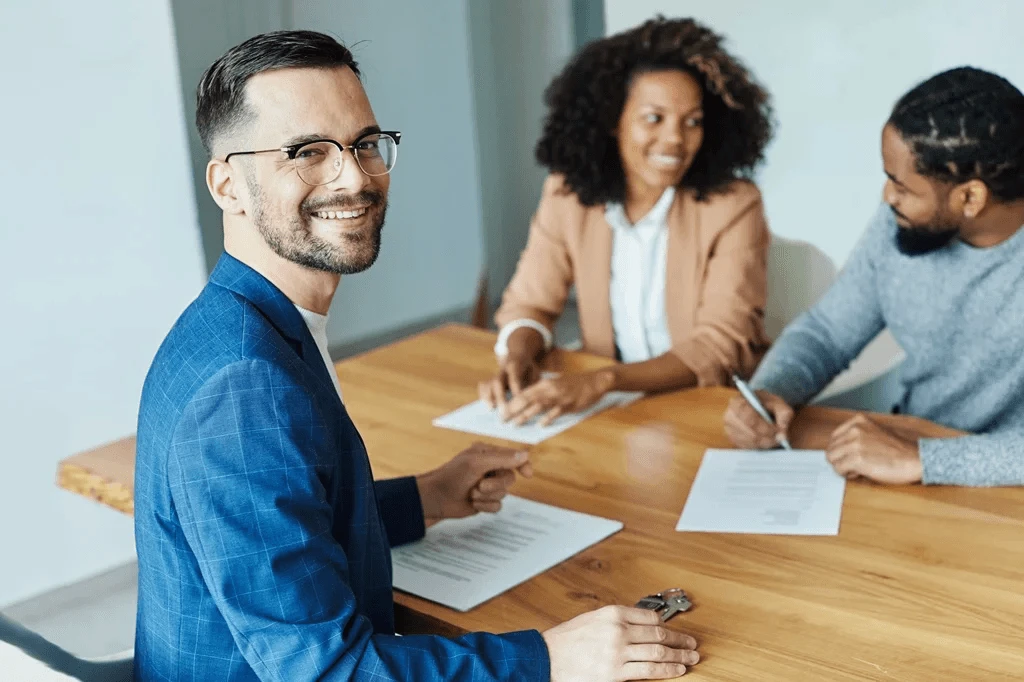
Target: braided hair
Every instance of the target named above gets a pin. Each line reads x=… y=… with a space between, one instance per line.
x=966 y=124
x=585 y=102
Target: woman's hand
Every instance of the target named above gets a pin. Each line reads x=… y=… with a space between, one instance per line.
x=516 y=372
x=555 y=396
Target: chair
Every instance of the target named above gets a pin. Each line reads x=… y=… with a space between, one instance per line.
x=798 y=275
x=27 y=657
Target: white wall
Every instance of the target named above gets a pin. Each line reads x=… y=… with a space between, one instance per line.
x=415 y=63
x=204 y=30
x=835 y=69
x=99 y=253
x=517 y=48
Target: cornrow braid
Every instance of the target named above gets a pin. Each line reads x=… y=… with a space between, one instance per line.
x=586 y=100
x=966 y=124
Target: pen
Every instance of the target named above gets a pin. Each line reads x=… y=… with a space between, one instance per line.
x=749 y=396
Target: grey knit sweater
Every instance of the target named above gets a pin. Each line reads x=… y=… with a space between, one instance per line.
x=958 y=313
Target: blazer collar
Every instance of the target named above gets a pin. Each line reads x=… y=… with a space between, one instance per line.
x=236 y=276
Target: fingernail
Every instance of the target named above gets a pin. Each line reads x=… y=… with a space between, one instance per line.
x=521 y=456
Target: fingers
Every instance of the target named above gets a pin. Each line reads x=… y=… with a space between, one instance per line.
x=494 y=485
x=746 y=428
x=658 y=634
x=552 y=414
x=515 y=378
x=487 y=506
x=661 y=653
x=531 y=411
x=488 y=458
x=526 y=400
x=850 y=427
x=778 y=408
x=652 y=671
x=492 y=392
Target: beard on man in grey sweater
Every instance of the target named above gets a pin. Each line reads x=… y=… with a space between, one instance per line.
x=958 y=313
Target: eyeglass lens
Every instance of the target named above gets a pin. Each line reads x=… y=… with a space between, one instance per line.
x=319 y=163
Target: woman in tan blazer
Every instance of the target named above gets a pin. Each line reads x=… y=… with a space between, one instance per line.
x=651 y=137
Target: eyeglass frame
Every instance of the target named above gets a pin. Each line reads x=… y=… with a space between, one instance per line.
x=293 y=149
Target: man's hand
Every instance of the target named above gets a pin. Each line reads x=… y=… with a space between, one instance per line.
x=618 y=643
x=515 y=373
x=748 y=431
x=862 y=448
x=555 y=396
x=475 y=480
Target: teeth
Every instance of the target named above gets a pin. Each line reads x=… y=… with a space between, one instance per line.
x=339 y=215
x=664 y=160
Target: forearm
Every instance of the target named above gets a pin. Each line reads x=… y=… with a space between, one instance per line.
x=995 y=459
x=663 y=373
x=809 y=354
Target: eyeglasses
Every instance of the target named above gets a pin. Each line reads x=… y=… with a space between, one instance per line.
x=319 y=162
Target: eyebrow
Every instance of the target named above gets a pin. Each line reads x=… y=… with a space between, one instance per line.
x=893 y=178
x=699 y=109
x=312 y=137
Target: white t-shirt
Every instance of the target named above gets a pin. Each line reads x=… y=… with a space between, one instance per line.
x=317 y=324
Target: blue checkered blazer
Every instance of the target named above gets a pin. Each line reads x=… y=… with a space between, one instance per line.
x=263 y=540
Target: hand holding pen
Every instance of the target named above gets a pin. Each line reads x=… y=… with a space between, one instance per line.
x=757 y=421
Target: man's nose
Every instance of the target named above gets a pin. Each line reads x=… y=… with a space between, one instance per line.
x=351 y=179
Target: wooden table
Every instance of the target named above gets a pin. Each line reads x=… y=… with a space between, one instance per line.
x=920 y=584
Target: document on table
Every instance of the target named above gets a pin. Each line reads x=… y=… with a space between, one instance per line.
x=777 y=492
x=480 y=419
x=462 y=563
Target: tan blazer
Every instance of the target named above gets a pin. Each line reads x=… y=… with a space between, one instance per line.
x=716 y=276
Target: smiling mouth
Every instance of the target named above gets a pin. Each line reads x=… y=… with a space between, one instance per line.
x=341 y=215
x=666 y=161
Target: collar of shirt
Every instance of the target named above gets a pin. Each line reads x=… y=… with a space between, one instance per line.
x=656 y=218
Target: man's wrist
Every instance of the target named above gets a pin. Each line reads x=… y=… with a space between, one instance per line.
x=428 y=497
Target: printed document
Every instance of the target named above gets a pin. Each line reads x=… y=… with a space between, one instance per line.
x=462 y=563
x=776 y=492
x=480 y=419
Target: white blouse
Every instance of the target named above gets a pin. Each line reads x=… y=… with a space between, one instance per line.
x=637 y=289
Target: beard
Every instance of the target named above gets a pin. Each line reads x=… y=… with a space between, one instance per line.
x=295 y=241
x=918 y=240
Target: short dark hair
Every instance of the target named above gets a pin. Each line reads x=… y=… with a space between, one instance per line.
x=220 y=96
x=966 y=124
x=586 y=99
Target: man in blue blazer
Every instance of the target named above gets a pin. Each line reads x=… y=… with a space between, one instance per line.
x=263 y=540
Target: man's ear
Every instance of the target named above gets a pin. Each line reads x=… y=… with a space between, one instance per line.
x=226 y=185
x=969 y=199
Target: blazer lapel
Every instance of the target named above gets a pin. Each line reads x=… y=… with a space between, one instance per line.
x=594 y=275
x=236 y=276
x=683 y=245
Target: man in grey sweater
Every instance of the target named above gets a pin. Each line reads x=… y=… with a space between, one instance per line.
x=942 y=266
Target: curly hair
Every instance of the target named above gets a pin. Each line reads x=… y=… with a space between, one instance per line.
x=585 y=102
x=966 y=124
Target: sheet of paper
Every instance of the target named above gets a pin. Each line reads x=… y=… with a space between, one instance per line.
x=778 y=492
x=480 y=419
x=462 y=563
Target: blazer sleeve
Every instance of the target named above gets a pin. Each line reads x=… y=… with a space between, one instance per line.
x=729 y=335
x=252 y=508
x=544 y=275
x=401 y=509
